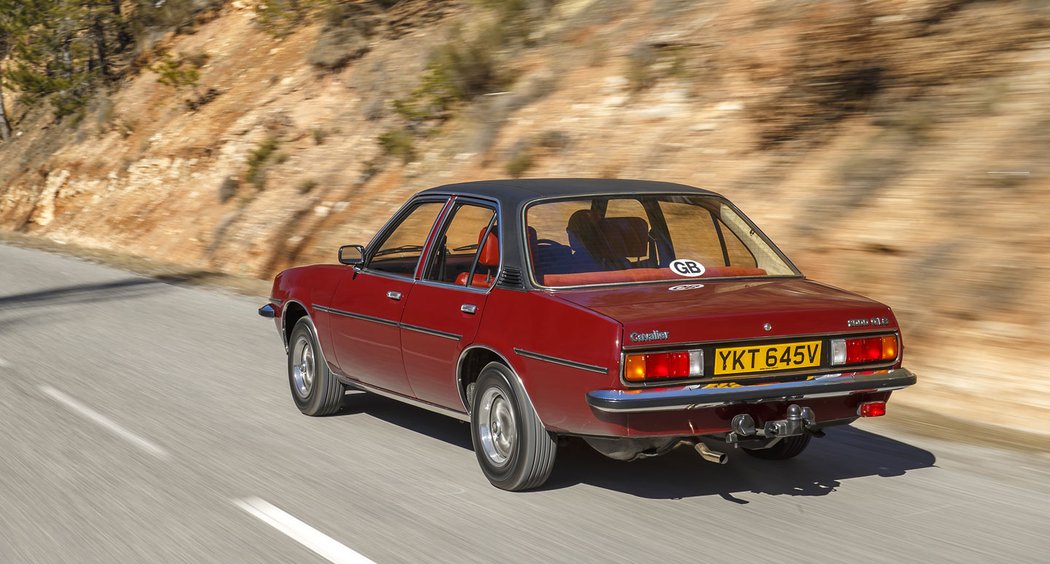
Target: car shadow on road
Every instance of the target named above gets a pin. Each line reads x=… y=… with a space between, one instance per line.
x=845 y=453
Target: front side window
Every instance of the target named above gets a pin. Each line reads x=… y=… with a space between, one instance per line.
x=467 y=251
x=628 y=239
x=403 y=245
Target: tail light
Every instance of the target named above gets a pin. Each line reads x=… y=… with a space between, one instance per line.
x=640 y=367
x=864 y=350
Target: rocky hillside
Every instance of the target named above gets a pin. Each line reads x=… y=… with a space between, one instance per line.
x=895 y=148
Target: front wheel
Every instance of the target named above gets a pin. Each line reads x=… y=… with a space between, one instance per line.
x=315 y=389
x=788 y=447
x=514 y=450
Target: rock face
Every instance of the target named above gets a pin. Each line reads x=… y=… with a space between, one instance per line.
x=894 y=149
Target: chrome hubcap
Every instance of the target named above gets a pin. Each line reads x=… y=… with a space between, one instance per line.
x=303 y=368
x=497 y=427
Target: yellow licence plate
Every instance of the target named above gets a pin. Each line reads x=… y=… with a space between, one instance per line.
x=762 y=358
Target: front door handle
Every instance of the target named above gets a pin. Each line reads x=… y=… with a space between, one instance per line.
x=468 y=308
x=394 y=295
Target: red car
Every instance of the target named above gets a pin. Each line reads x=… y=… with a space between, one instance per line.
x=635 y=315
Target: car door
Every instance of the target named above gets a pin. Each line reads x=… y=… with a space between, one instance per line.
x=367 y=307
x=444 y=310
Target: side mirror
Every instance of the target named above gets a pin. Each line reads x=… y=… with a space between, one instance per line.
x=352 y=254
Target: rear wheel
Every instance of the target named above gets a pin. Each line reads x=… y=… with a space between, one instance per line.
x=513 y=449
x=788 y=447
x=315 y=389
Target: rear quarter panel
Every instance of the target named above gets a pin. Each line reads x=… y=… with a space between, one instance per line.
x=538 y=323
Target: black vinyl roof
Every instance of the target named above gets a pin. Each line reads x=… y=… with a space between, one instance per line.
x=512 y=193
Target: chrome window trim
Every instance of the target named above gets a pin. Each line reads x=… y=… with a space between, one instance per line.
x=562 y=361
x=443 y=224
x=392 y=223
x=765 y=238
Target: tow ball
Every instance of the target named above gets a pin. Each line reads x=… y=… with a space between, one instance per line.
x=799 y=420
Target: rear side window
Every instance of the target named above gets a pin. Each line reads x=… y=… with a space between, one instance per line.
x=403 y=244
x=459 y=254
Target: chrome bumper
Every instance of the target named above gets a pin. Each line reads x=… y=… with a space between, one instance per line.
x=694 y=397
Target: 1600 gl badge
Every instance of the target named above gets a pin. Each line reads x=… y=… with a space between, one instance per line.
x=539 y=309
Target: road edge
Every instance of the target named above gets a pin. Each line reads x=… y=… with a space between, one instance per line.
x=905 y=417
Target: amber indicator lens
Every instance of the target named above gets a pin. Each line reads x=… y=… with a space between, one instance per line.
x=665 y=365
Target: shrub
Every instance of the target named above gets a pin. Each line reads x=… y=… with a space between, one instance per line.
x=176 y=72
x=256 y=174
x=521 y=160
x=319 y=135
x=306 y=186
x=398 y=143
x=228 y=189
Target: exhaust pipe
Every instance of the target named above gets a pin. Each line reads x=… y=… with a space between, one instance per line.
x=710 y=455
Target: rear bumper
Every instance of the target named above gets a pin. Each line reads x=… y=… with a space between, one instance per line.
x=695 y=397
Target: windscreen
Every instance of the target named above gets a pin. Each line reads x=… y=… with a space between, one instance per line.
x=630 y=239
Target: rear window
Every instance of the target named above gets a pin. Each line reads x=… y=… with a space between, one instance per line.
x=630 y=239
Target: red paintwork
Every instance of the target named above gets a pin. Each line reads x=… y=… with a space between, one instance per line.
x=588 y=325
x=729 y=309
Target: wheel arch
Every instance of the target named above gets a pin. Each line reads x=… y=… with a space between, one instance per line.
x=292 y=312
x=472 y=360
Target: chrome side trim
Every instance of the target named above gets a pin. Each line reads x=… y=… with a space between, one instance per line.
x=410 y=401
x=433 y=332
x=276 y=301
x=694 y=397
x=562 y=361
x=389 y=323
x=334 y=311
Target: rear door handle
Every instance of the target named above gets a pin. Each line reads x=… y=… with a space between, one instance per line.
x=468 y=308
x=393 y=295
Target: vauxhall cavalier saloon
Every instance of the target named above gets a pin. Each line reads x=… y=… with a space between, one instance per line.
x=638 y=316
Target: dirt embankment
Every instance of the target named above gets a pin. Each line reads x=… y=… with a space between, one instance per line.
x=893 y=148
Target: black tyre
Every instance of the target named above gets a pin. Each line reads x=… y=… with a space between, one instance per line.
x=788 y=447
x=514 y=450
x=315 y=389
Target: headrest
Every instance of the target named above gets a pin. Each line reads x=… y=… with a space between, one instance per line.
x=626 y=236
x=583 y=230
x=489 y=250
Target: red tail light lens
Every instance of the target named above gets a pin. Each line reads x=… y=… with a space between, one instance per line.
x=872 y=409
x=864 y=350
x=640 y=367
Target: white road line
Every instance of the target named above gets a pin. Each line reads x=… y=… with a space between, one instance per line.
x=4 y=363
x=104 y=422
x=300 y=532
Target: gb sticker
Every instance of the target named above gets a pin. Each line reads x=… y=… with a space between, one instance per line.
x=687 y=267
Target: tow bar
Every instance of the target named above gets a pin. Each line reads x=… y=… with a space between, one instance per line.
x=799 y=421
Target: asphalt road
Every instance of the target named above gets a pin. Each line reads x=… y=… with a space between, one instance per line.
x=146 y=421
